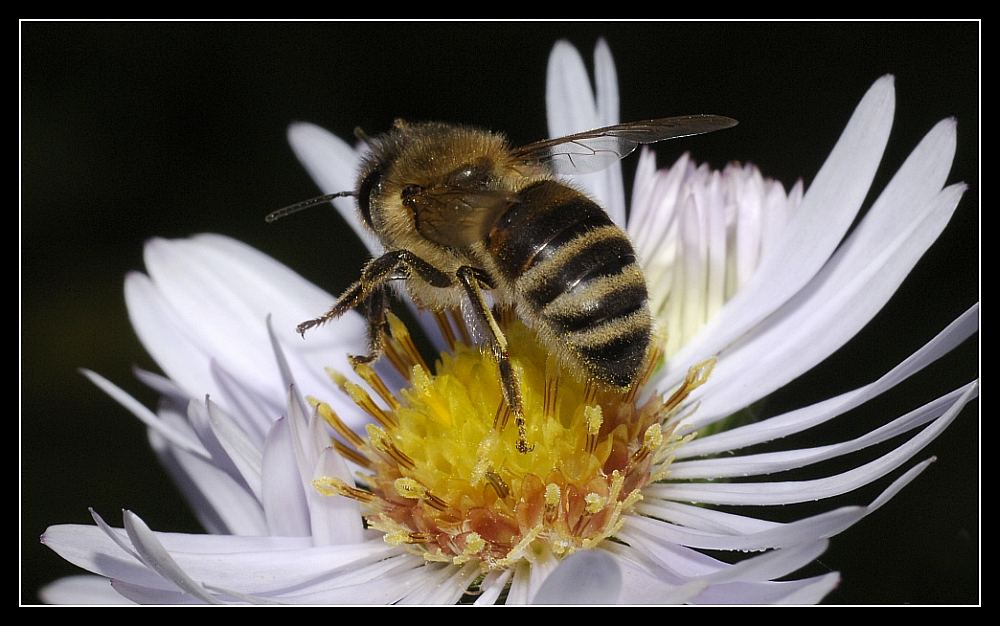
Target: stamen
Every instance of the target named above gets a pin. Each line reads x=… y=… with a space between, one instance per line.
x=381 y=442
x=401 y=336
x=450 y=483
x=352 y=455
x=330 y=486
x=595 y=502
x=552 y=495
x=551 y=389
x=593 y=417
x=501 y=417
x=363 y=400
x=368 y=374
x=330 y=417
x=696 y=376
x=498 y=484
x=403 y=538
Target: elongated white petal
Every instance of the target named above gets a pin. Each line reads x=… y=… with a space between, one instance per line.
x=642 y=584
x=806 y=417
x=586 y=577
x=175 y=436
x=333 y=165
x=255 y=412
x=222 y=300
x=827 y=210
x=157 y=558
x=808 y=530
x=528 y=578
x=150 y=595
x=610 y=187
x=771 y=462
x=81 y=590
x=446 y=589
x=569 y=99
x=827 y=313
x=335 y=519
x=808 y=490
x=244 y=454
x=165 y=337
x=222 y=505
x=572 y=107
x=162 y=385
x=282 y=495
x=702 y=518
x=492 y=586
x=806 y=591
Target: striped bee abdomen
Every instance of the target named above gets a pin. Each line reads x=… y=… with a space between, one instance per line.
x=577 y=273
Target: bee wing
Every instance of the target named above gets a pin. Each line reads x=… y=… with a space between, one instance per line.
x=594 y=150
x=457 y=217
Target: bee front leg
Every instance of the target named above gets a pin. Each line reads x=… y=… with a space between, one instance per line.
x=371 y=292
x=473 y=280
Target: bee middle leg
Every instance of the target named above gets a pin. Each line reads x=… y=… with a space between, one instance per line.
x=375 y=308
x=473 y=280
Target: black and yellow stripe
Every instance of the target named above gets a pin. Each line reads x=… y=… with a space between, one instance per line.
x=577 y=272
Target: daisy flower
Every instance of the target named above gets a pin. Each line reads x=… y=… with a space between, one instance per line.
x=319 y=482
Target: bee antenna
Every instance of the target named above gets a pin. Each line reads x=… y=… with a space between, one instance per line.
x=305 y=204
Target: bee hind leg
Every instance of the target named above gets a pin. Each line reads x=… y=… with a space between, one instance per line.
x=473 y=280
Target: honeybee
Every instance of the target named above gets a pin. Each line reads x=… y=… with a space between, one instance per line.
x=461 y=212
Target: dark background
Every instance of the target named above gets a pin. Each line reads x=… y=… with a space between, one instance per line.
x=167 y=129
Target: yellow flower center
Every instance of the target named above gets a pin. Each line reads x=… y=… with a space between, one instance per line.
x=444 y=474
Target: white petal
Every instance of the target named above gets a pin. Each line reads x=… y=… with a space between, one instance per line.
x=702 y=518
x=334 y=166
x=767 y=566
x=222 y=505
x=335 y=519
x=771 y=462
x=244 y=454
x=198 y=418
x=162 y=385
x=584 y=577
x=568 y=96
x=92 y=549
x=528 y=577
x=81 y=590
x=165 y=337
x=282 y=496
x=807 y=591
x=806 y=417
x=788 y=492
x=151 y=595
x=446 y=587
x=611 y=191
x=492 y=586
x=813 y=233
x=850 y=290
x=640 y=585
x=255 y=412
x=158 y=558
x=571 y=108
x=223 y=291
x=808 y=530
x=175 y=436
